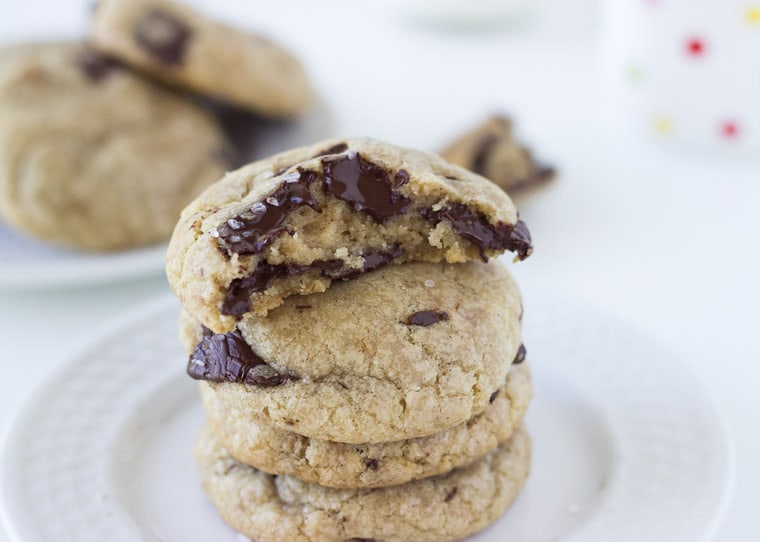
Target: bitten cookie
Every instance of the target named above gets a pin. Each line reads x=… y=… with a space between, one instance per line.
x=296 y=222
x=492 y=151
x=256 y=443
x=91 y=155
x=182 y=47
x=403 y=352
x=444 y=508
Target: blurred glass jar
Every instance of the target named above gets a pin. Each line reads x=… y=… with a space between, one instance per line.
x=685 y=71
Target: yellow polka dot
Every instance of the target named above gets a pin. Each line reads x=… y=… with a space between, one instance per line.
x=752 y=15
x=663 y=125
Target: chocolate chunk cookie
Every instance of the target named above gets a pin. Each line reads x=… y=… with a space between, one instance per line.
x=346 y=365
x=184 y=48
x=491 y=150
x=91 y=155
x=257 y=443
x=297 y=222
x=443 y=508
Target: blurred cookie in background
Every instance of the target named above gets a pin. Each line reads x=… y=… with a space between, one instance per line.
x=182 y=47
x=492 y=151
x=93 y=156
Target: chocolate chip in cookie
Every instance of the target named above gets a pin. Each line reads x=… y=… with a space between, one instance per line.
x=163 y=35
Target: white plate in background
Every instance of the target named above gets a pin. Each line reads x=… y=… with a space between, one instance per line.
x=27 y=263
x=628 y=446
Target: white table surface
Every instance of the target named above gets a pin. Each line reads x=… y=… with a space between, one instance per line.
x=667 y=241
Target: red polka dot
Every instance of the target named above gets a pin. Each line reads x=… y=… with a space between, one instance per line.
x=729 y=130
x=695 y=47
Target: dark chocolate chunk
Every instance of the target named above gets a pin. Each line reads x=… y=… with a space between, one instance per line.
x=301 y=307
x=371 y=464
x=520 y=357
x=493 y=397
x=366 y=186
x=252 y=231
x=476 y=228
x=163 y=35
x=335 y=149
x=94 y=65
x=427 y=318
x=237 y=300
x=400 y=178
x=228 y=358
x=451 y=494
x=483 y=153
x=374 y=258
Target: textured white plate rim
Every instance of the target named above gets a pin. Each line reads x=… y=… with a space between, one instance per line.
x=728 y=439
x=9 y=508
x=78 y=268
x=18 y=413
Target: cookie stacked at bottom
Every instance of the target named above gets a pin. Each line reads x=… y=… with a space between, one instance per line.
x=387 y=406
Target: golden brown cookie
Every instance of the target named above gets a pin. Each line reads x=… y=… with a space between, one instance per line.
x=334 y=464
x=295 y=223
x=403 y=352
x=443 y=508
x=93 y=156
x=185 y=48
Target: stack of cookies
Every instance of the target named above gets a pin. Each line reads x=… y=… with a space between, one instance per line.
x=360 y=358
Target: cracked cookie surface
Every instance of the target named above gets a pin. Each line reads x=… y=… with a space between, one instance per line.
x=93 y=156
x=442 y=508
x=182 y=47
x=347 y=365
x=297 y=222
x=333 y=464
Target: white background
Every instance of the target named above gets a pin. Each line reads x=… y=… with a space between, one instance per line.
x=665 y=239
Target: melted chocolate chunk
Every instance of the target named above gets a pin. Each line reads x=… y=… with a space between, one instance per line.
x=371 y=464
x=94 y=65
x=493 y=397
x=163 y=35
x=451 y=494
x=520 y=357
x=335 y=149
x=252 y=231
x=228 y=358
x=476 y=228
x=483 y=153
x=427 y=318
x=366 y=186
x=237 y=300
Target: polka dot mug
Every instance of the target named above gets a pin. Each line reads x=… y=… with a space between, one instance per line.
x=686 y=71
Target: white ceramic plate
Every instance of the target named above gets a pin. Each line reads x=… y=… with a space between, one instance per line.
x=27 y=263
x=627 y=444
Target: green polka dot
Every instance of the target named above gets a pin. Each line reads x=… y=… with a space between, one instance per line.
x=634 y=74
